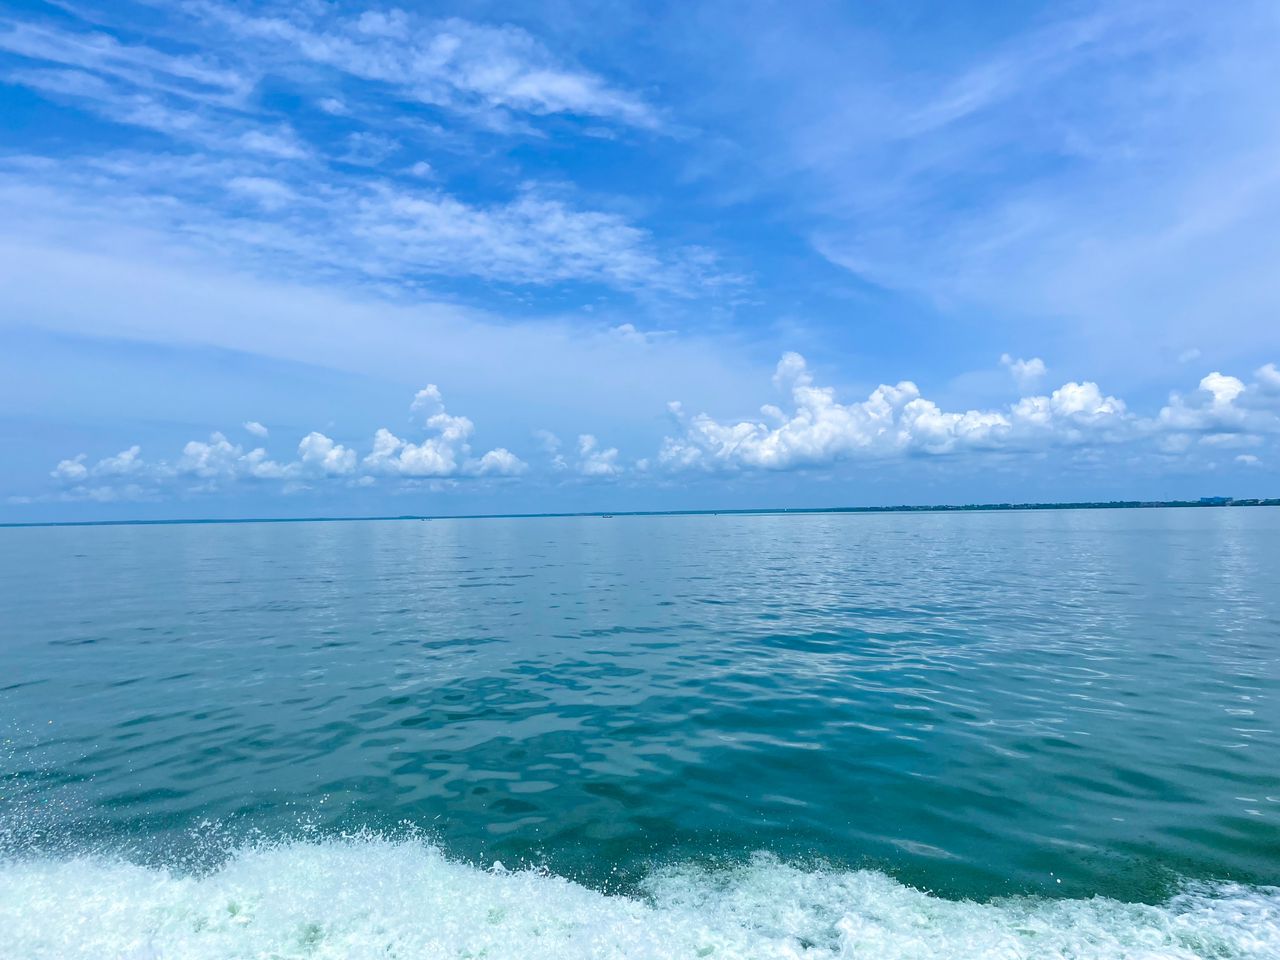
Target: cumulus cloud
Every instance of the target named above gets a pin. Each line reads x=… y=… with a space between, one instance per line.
x=550 y=444
x=592 y=460
x=597 y=461
x=76 y=469
x=217 y=462
x=72 y=469
x=1223 y=412
x=1026 y=373
x=896 y=420
x=323 y=455
x=123 y=464
x=1223 y=404
x=499 y=462
x=893 y=420
x=814 y=428
x=445 y=454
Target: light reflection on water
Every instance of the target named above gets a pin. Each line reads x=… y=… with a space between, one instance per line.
x=1071 y=702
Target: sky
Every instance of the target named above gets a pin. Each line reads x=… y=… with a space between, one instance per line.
x=314 y=258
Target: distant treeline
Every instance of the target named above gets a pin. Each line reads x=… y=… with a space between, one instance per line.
x=1083 y=505
x=756 y=511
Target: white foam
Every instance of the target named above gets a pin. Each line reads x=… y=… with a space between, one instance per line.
x=370 y=897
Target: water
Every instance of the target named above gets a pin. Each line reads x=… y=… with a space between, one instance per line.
x=957 y=735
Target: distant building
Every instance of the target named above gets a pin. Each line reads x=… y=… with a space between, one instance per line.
x=1215 y=501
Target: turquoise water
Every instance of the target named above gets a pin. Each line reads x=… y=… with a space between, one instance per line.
x=1044 y=734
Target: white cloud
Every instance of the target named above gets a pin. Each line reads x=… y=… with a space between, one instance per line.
x=595 y=461
x=550 y=444
x=270 y=193
x=197 y=78
x=343 y=219
x=106 y=99
x=431 y=458
x=893 y=421
x=1135 y=191
x=446 y=454
x=1231 y=441
x=1191 y=353
x=1026 y=373
x=897 y=421
x=123 y=464
x=193 y=99
x=1224 y=414
x=499 y=462
x=472 y=69
x=317 y=451
x=628 y=333
x=75 y=470
x=72 y=469
x=218 y=460
x=1212 y=407
x=281 y=144
x=349 y=224
x=215 y=457
x=531 y=239
x=1268 y=377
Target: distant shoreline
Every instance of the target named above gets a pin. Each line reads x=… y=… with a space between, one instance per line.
x=744 y=512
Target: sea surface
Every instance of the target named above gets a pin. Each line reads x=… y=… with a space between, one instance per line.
x=1015 y=735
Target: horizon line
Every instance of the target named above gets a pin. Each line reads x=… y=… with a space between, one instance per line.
x=741 y=511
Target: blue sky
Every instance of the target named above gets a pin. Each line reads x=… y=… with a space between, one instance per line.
x=335 y=258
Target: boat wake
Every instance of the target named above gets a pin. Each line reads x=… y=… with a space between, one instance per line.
x=367 y=897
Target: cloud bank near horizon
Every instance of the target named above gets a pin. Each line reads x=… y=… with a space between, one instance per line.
x=1222 y=417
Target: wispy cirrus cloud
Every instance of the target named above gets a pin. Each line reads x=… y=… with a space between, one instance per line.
x=261 y=211
x=1099 y=173
x=469 y=68
x=239 y=177
x=484 y=71
x=193 y=78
